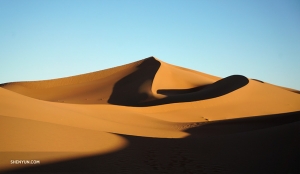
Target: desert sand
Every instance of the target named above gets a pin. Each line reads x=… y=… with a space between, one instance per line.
x=149 y=117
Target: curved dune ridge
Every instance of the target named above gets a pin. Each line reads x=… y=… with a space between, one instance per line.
x=129 y=84
x=104 y=113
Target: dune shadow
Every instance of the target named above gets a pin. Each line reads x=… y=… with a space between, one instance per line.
x=169 y=92
x=266 y=144
x=217 y=89
x=135 y=87
x=296 y=91
x=258 y=80
x=223 y=127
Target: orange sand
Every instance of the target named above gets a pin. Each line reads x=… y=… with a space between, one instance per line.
x=150 y=117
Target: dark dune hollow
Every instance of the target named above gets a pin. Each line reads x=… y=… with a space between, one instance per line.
x=127 y=90
x=217 y=89
x=269 y=144
x=170 y=92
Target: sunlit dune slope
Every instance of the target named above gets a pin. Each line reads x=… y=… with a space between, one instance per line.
x=48 y=142
x=94 y=87
x=115 y=119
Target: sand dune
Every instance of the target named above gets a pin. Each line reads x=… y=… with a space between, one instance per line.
x=149 y=117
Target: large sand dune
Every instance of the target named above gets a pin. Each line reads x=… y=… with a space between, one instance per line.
x=149 y=117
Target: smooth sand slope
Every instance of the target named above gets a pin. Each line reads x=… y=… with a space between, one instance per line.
x=150 y=117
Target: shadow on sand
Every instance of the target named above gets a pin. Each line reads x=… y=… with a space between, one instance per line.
x=135 y=88
x=217 y=89
x=265 y=144
x=258 y=80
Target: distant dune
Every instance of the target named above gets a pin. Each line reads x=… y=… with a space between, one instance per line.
x=149 y=117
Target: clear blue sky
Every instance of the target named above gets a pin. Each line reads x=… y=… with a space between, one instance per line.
x=44 y=39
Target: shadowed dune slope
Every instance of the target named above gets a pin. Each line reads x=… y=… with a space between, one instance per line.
x=217 y=89
x=135 y=87
x=149 y=117
x=269 y=144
